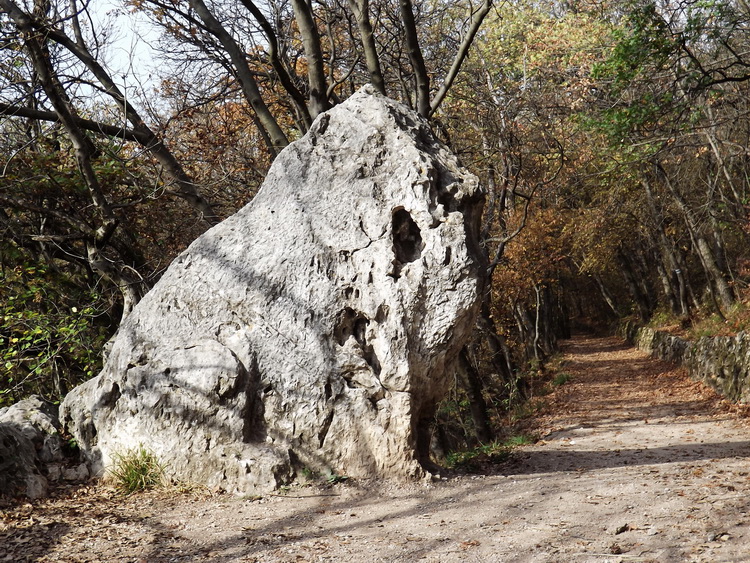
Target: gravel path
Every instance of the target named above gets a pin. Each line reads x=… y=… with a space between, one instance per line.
x=637 y=463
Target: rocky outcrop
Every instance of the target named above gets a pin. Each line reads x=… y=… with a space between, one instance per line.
x=723 y=362
x=316 y=328
x=31 y=449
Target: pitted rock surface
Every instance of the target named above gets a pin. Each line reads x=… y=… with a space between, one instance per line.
x=316 y=328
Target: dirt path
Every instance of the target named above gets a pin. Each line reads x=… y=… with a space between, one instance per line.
x=636 y=464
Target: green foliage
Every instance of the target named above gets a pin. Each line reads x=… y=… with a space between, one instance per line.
x=327 y=476
x=561 y=378
x=643 y=48
x=734 y=320
x=477 y=459
x=309 y=474
x=519 y=440
x=644 y=42
x=663 y=317
x=334 y=478
x=50 y=333
x=136 y=470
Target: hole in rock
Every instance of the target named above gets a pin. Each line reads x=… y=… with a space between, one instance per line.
x=354 y=323
x=382 y=313
x=372 y=359
x=360 y=330
x=328 y=390
x=350 y=323
x=407 y=239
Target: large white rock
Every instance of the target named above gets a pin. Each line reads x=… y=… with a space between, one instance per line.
x=316 y=328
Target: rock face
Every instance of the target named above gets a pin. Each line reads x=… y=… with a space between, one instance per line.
x=29 y=444
x=316 y=328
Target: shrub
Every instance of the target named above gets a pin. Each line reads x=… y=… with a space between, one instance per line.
x=52 y=331
x=136 y=470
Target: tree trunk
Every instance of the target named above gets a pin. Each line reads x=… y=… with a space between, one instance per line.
x=606 y=295
x=642 y=302
x=719 y=286
x=244 y=76
x=675 y=292
x=421 y=77
x=361 y=10
x=315 y=73
x=477 y=405
x=499 y=351
x=298 y=99
x=85 y=150
x=463 y=51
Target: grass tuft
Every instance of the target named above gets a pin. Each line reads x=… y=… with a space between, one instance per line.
x=136 y=470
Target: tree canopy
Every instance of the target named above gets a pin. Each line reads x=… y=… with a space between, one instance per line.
x=611 y=140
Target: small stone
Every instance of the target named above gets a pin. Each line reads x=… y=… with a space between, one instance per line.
x=76 y=474
x=622 y=529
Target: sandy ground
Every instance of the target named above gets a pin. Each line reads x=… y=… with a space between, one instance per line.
x=637 y=463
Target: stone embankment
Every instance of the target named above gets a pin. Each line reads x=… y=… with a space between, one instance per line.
x=723 y=362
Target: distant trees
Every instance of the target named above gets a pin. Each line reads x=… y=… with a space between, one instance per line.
x=292 y=60
x=612 y=142
x=99 y=190
x=671 y=102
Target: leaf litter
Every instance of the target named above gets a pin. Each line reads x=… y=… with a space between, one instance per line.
x=631 y=448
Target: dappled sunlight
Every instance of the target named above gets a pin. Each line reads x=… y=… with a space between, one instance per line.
x=643 y=462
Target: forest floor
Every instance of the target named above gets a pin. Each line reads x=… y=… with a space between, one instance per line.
x=636 y=463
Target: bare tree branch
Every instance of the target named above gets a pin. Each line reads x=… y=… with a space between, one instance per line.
x=463 y=51
x=273 y=54
x=86 y=124
x=244 y=75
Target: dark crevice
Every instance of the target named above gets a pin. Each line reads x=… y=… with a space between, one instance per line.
x=447 y=259
x=382 y=313
x=360 y=330
x=353 y=323
x=407 y=239
x=372 y=359
x=325 y=428
x=446 y=198
x=349 y=323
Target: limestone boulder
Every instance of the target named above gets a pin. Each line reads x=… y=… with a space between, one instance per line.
x=316 y=328
x=29 y=443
